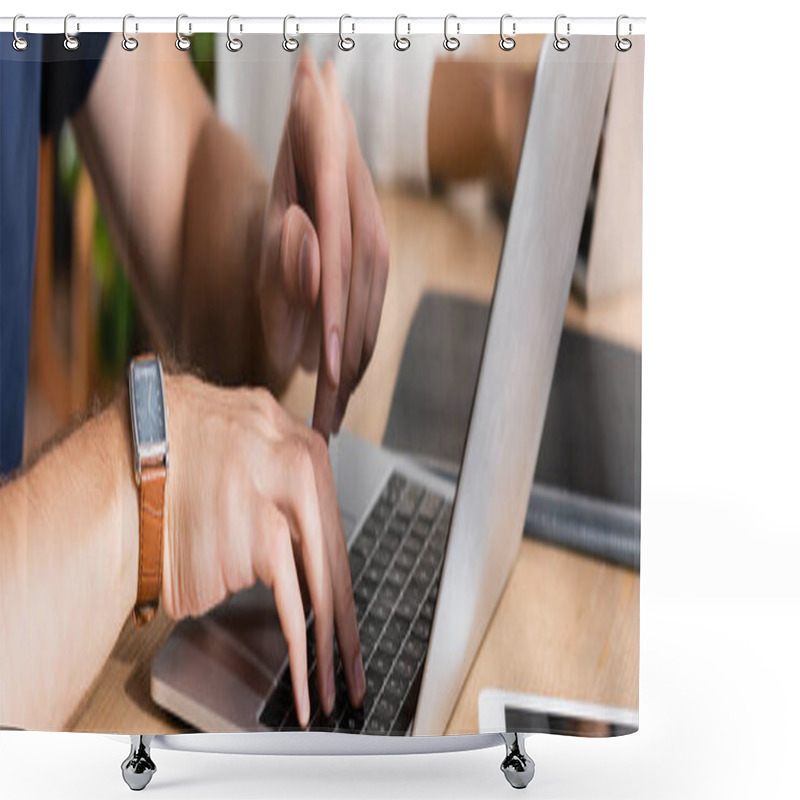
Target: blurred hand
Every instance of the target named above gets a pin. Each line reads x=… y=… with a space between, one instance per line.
x=251 y=495
x=325 y=256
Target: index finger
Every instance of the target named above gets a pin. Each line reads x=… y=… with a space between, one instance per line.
x=344 y=608
x=326 y=153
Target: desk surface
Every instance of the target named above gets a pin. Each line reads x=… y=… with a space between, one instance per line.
x=579 y=636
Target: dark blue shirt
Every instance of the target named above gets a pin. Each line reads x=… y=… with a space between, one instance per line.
x=39 y=88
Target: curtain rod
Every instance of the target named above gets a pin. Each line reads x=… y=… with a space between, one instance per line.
x=460 y=26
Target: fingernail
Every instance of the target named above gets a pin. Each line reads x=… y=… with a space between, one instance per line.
x=305 y=706
x=331 y=691
x=358 y=674
x=333 y=357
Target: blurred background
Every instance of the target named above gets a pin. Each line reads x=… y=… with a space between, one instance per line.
x=85 y=325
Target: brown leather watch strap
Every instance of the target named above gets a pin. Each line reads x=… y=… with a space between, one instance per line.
x=152 y=492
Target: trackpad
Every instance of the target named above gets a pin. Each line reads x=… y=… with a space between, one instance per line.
x=247 y=626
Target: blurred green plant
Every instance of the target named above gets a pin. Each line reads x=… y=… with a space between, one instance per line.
x=69 y=161
x=202 y=52
x=116 y=309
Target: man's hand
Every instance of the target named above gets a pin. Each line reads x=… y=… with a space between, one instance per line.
x=325 y=254
x=251 y=495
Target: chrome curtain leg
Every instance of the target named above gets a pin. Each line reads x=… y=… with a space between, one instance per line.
x=138 y=768
x=517 y=766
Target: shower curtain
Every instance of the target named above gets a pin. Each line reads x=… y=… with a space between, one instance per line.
x=304 y=233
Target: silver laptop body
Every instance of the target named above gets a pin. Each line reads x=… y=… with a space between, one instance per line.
x=216 y=672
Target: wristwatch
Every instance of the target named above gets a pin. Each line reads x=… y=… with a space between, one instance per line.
x=151 y=463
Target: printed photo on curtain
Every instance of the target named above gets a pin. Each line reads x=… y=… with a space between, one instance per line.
x=320 y=381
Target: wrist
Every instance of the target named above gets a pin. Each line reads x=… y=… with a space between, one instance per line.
x=149 y=419
x=127 y=507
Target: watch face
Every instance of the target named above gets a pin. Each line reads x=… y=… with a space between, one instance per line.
x=149 y=403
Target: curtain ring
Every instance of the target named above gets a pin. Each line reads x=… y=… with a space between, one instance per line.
x=451 y=43
x=20 y=43
x=290 y=43
x=182 y=42
x=129 y=43
x=71 y=43
x=506 y=42
x=561 y=43
x=346 y=43
x=401 y=43
x=233 y=44
x=623 y=45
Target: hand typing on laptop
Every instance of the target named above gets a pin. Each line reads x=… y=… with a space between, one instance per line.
x=265 y=510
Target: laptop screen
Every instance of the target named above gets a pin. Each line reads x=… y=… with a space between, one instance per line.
x=519 y=354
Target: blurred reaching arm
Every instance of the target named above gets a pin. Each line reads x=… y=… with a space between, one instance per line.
x=244 y=278
x=146 y=133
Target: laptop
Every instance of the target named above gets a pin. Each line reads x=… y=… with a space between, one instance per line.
x=429 y=558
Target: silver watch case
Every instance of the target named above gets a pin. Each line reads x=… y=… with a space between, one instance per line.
x=153 y=452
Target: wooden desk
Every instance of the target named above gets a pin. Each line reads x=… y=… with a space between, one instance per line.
x=566 y=625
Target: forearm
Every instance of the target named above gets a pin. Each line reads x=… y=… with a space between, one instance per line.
x=136 y=133
x=68 y=570
x=223 y=227
x=184 y=199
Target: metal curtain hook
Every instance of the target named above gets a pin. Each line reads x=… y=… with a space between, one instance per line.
x=20 y=43
x=401 y=43
x=451 y=43
x=506 y=42
x=233 y=44
x=182 y=42
x=346 y=42
x=129 y=43
x=290 y=43
x=623 y=45
x=70 y=42
x=561 y=43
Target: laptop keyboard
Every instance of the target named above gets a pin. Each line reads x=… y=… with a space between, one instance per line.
x=395 y=564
